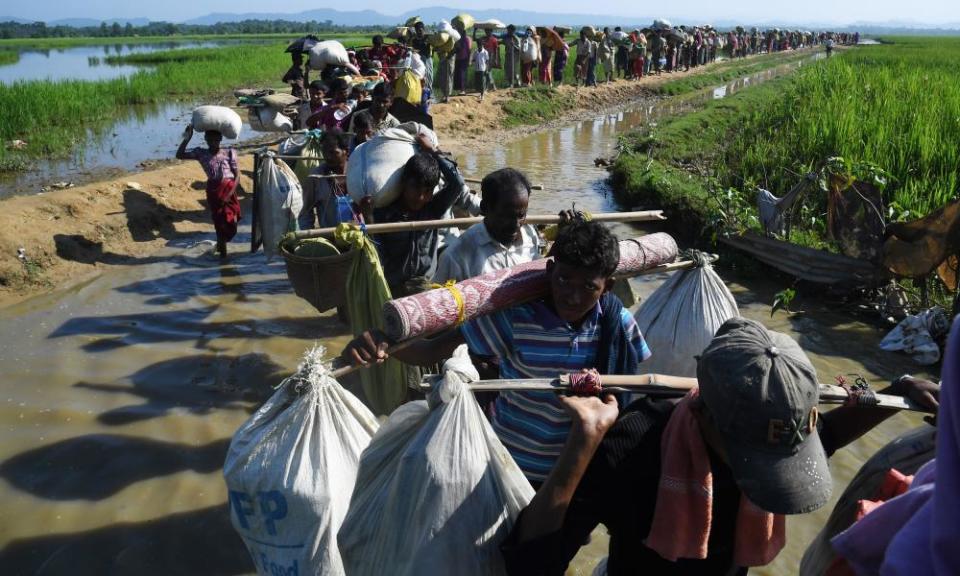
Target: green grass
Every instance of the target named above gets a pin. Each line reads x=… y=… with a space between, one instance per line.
x=894 y=106
x=55 y=116
x=728 y=70
x=535 y=105
x=8 y=57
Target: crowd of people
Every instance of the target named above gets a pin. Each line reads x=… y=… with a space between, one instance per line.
x=711 y=477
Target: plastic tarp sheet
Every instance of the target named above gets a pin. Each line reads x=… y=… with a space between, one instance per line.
x=436 y=493
x=291 y=469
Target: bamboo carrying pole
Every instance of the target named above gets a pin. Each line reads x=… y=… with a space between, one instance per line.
x=656 y=385
x=644 y=216
x=479 y=181
x=342 y=368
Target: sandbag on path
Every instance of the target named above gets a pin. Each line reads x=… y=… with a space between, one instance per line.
x=291 y=469
x=437 y=310
x=436 y=493
x=682 y=316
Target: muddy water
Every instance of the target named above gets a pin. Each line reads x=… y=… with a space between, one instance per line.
x=119 y=396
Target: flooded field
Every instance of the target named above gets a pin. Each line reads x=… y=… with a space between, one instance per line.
x=119 y=396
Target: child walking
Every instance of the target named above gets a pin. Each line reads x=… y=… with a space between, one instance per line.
x=222 y=177
x=481 y=65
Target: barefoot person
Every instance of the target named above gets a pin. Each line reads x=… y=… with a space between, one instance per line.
x=222 y=172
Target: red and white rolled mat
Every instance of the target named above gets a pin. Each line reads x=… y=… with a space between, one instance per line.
x=444 y=308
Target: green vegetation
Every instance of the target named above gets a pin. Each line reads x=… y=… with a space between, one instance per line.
x=55 y=116
x=728 y=70
x=535 y=105
x=892 y=106
x=888 y=112
x=8 y=57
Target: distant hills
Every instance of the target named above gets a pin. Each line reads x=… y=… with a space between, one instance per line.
x=433 y=14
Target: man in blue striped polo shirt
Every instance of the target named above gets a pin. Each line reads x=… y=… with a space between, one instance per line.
x=579 y=324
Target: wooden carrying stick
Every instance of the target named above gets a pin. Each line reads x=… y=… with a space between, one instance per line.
x=342 y=368
x=644 y=216
x=655 y=385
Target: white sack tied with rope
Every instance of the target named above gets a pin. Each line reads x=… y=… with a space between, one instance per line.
x=279 y=201
x=437 y=493
x=291 y=469
x=682 y=316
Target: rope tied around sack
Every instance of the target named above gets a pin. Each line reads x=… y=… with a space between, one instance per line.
x=451 y=287
x=700 y=259
x=859 y=393
x=586 y=383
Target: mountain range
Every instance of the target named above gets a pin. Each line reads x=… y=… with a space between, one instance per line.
x=433 y=14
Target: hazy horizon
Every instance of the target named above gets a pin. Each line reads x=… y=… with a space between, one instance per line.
x=884 y=12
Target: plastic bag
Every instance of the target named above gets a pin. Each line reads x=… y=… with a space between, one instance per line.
x=219 y=118
x=436 y=493
x=279 y=201
x=290 y=471
x=916 y=336
x=266 y=119
x=682 y=316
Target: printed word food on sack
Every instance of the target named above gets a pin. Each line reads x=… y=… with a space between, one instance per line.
x=375 y=166
x=279 y=201
x=290 y=471
x=219 y=118
x=682 y=316
x=436 y=493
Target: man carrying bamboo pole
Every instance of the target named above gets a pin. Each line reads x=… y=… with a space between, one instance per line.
x=579 y=325
x=701 y=487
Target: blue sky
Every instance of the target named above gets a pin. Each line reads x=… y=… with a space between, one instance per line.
x=839 y=11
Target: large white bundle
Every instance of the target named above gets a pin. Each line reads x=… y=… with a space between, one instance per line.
x=279 y=201
x=264 y=119
x=661 y=24
x=436 y=493
x=291 y=468
x=219 y=118
x=681 y=318
x=417 y=66
x=448 y=28
x=328 y=53
x=375 y=166
x=529 y=51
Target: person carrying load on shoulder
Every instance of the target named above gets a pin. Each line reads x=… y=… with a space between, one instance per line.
x=410 y=258
x=295 y=76
x=579 y=324
x=223 y=173
x=702 y=486
x=325 y=200
x=503 y=239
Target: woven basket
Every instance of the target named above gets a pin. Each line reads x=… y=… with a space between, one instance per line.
x=321 y=281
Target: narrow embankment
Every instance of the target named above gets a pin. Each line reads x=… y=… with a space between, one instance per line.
x=68 y=235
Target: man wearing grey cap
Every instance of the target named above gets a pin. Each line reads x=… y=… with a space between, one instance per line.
x=699 y=487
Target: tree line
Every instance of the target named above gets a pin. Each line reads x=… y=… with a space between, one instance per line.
x=115 y=30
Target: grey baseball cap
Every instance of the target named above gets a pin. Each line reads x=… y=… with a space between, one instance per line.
x=762 y=392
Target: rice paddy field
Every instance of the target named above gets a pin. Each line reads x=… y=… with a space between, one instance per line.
x=56 y=116
x=894 y=106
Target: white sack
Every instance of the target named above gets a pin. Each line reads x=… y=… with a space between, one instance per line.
x=280 y=101
x=448 y=28
x=264 y=119
x=529 y=51
x=374 y=167
x=219 y=118
x=417 y=66
x=916 y=336
x=681 y=317
x=328 y=53
x=291 y=468
x=279 y=201
x=436 y=493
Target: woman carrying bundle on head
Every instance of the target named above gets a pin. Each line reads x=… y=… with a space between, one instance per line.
x=222 y=171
